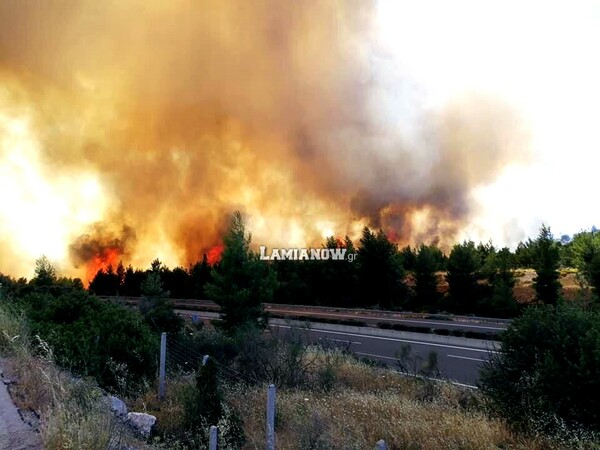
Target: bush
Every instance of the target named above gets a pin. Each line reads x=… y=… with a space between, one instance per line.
x=204 y=406
x=94 y=338
x=546 y=376
x=267 y=359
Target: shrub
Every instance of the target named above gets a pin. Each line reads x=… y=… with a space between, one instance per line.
x=204 y=406
x=91 y=337
x=272 y=360
x=546 y=376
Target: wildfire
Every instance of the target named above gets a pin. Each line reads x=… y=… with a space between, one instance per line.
x=118 y=149
x=214 y=254
x=109 y=257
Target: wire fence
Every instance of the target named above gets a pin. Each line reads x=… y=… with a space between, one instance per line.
x=182 y=359
x=178 y=358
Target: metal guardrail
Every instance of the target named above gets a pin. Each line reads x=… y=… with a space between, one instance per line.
x=183 y=303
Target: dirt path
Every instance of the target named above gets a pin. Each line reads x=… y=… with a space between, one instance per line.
x=14 y=433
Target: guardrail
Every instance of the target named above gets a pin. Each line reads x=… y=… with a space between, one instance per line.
x=212 y=306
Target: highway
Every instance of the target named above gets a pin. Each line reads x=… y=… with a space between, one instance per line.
x=459 y=359
x=449 y=323
x=459 y=354
x=458 y=363
x=392 y=318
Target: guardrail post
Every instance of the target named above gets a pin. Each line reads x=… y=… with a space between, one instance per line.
x=162 y=371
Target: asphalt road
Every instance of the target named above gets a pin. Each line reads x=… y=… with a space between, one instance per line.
x=370 y=317
x=457 y=363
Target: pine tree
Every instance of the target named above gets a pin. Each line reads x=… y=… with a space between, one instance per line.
x=155 y=305
x=45 y=273
x=199 y=276
x=464 y=265
x=547 y=259
x=425 y=267
x=501 y=301
x=241 y=281
x=380 y=271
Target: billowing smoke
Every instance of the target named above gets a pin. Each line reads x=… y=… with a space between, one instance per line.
x=178 y=112
x=101 y=249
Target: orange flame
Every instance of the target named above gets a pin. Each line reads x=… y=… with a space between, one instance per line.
x=108 y=257
x=214 y=254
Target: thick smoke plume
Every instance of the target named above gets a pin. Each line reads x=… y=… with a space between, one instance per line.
x=101 y=249
x=183 y=111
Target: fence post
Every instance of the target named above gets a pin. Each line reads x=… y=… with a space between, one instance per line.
x=161 y=370
x=271 y=417
x=213 y=438
x=381 y=445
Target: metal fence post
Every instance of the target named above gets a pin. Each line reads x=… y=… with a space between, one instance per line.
x=161 y=371
x=271 y=417
x=381 y=445
x=213 y=438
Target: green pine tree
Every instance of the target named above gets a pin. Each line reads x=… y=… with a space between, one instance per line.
x=464 y=265
x=241 y=281
x=380 y=271
x=547 y=259
x=426 y=265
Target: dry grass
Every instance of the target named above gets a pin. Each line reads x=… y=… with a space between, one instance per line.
x=347 y=419
x=169 y=411
x=369 y=404
x=364 y=404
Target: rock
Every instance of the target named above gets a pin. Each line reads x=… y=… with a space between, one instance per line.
x=118 y=406
x=141 y=422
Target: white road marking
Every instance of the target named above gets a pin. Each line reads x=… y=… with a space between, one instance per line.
x=376 y=356
x=344 y=340
x=466 y=357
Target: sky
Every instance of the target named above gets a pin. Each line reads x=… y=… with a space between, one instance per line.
x=539 y=56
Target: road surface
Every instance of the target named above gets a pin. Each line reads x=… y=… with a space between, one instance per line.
x=457 y=362
x=451 y=323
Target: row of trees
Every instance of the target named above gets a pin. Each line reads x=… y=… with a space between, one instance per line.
x=180 y=282
x=480 y=278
